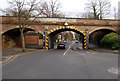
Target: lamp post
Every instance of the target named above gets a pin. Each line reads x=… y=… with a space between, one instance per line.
x=87 y=38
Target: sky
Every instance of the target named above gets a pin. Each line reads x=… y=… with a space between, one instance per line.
x=73 y=6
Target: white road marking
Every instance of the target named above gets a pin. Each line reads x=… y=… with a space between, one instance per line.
x=68 y=49
x=93 y=53
x=78 y=52
x=88 y=52
x=113 y=70
x=83 y=54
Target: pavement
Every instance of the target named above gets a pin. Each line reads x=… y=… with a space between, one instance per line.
x=69 y=63
x=105 y=50
x=9 y=54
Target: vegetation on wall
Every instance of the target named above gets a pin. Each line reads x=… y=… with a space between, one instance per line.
x=40 y=35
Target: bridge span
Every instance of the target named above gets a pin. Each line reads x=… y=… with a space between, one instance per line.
x=84 y=27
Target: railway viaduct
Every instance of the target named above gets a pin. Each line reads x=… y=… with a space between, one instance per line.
x=84 y=27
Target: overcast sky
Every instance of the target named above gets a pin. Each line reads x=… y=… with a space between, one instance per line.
x=69 y=5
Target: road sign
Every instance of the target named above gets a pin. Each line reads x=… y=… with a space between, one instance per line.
x=66 y=23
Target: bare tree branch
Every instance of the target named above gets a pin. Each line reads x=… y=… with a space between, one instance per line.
x=99 y=8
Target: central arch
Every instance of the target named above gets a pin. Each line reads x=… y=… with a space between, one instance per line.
x=59 y=29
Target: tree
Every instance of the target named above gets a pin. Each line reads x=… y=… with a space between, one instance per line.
x=51 y=8
x=92 y=7
x=115 y=13
x=99 y=8
x=87 y=15
x=118 y=10
x=24 y=10
x=104 y=8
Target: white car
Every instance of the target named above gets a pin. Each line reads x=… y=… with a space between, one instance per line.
x=64 y=41
x=76 y=41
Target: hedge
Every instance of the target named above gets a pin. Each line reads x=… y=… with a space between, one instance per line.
x=111 y=40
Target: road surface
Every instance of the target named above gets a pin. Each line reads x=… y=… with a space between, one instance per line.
x=71 y=63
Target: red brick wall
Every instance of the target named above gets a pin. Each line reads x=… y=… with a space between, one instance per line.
x=40 y=28
x=40 y=42
x=31 y=39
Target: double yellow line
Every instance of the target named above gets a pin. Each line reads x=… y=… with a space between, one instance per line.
x=11 y=58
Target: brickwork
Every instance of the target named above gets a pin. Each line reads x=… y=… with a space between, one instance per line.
x=40 y=42
x=7 y=42
x=32 y=39
x=52 y=24
x=91 y=24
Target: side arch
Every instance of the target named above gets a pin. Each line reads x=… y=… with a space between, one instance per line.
x=14 y=27
x=96 y=35
x=72 y=28
x=101 y=29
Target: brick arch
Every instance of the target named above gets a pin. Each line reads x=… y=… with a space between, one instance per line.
x=14 y=27
x=71 y=28
x=102 y=28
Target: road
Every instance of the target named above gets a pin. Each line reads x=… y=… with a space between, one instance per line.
x=71 y=63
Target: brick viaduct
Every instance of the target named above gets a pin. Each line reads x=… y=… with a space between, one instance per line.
x=57 y=24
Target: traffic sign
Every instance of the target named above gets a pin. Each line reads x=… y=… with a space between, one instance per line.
x=66 y=23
